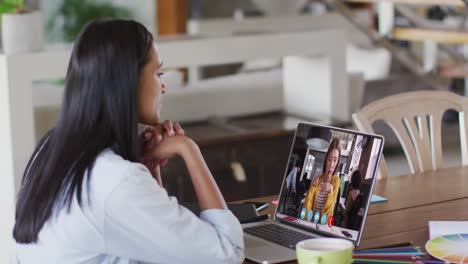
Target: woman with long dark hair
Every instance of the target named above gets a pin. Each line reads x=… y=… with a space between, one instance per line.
x=323 y=190
x=86 y=196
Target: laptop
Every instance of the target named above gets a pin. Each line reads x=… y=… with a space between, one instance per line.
x=313 y=203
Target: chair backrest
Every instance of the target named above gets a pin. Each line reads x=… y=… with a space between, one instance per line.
x=416 y=119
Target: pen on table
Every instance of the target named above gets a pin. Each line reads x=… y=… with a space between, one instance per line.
x=403 y=244
x=413 y=256
x=385 y=261
x=388 y=250
x=431 y=262
x=390 y=253
x=255 y=219
x=364 y=261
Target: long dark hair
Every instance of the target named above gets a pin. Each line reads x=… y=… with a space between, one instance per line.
x=99 y=111
x=335 y=144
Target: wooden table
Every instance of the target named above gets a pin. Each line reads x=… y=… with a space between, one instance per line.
x=413 y=200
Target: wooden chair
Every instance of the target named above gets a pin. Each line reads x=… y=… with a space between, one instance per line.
x=416 y=119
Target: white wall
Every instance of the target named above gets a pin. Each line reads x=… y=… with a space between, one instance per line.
x=7 y=189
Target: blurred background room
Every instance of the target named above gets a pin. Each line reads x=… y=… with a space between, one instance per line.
x=241 y=75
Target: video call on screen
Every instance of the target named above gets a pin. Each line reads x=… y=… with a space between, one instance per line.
x=332 y=201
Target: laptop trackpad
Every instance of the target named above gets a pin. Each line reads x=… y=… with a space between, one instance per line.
x=255 y=243
x=261 y=251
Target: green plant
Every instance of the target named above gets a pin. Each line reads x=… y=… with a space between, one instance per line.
x=72 y=15
x=11 y=6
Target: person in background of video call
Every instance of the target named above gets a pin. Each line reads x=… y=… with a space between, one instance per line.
x=352 y=203
x=323 y=191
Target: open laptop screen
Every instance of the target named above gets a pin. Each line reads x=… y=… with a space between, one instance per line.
x=329 y=180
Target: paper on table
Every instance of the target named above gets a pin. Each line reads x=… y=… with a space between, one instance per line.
x=441 y=228
x=377 y=199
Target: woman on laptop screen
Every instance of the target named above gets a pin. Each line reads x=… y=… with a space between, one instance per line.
x=323 y=190
x=331 y=190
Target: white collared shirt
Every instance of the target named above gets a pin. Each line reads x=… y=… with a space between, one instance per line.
x=129 y=218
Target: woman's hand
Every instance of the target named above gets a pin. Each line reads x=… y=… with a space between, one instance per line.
x=151 y=137
x=167 y=129
x=315 y=182
x=326 y=187
x=178 y=145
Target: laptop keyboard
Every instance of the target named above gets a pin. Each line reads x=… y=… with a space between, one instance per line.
x=277 y=234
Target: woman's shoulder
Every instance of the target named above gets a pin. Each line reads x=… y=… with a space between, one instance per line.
x=110 y=170
x=110 y=163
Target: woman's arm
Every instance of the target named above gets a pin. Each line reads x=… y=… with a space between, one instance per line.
x=143 y=223
x=150 y=138
x=309 y=200
x=207 y=191
x=170 y=140
x=208 y=194
x=329 y=206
